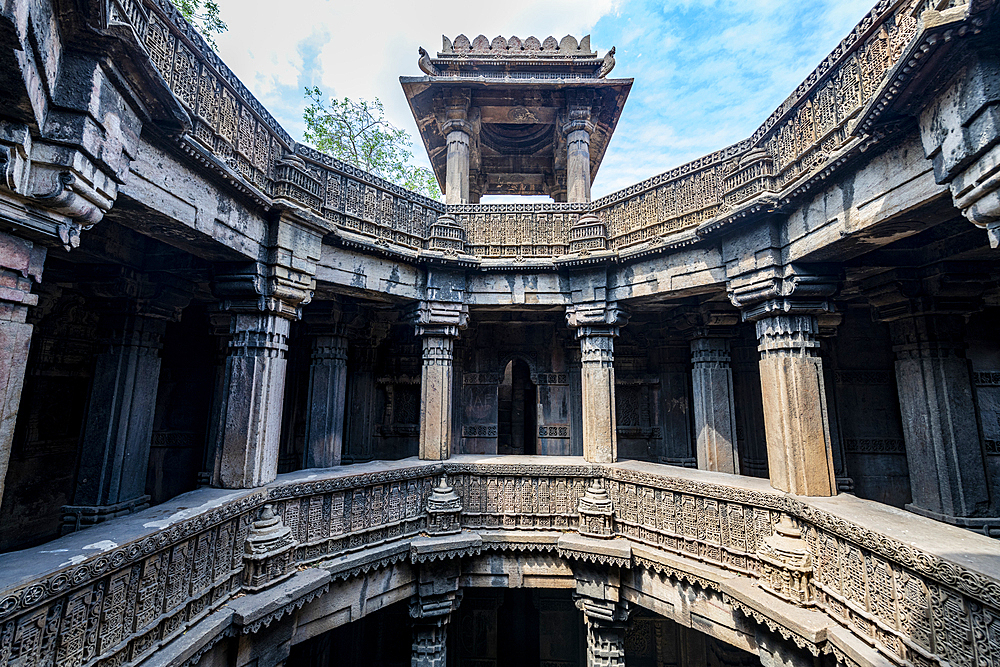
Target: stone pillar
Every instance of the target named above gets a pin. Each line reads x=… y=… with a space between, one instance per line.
x=459 y=135
x=21 y=265
x=796 y=422
x=457 y=130
x=252 y=400
x=114 y=452
x=438 y=596
x=578 y=129
x=714 y=406
x=605 y=614
x=943 y=447
x=437 y=325
x=327 y=392
x=596 y=328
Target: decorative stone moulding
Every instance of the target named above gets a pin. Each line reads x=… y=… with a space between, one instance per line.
x=481 y=46
x=596 y=512
x=267 y=554
x=786 y=564
x=444 y=509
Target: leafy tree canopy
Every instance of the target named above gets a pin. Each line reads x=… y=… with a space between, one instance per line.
x=357 y=132
x=204 y=16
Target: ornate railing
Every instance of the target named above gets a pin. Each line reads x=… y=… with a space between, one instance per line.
x=517 y=231
x=800 y=137
x=232 y=127
x=808 y=134
x=920 y=593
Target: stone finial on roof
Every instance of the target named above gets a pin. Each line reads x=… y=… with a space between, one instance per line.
x=501 y=47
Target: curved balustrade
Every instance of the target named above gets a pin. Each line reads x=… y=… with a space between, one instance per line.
x=916 y=591
x=809 y=135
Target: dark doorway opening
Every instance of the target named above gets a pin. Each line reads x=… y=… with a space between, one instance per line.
x=518 y=406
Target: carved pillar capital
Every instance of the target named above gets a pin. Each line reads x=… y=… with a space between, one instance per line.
x=440 y=318
x=262 y=288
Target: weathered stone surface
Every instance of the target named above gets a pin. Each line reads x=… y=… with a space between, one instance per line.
x=714 y=405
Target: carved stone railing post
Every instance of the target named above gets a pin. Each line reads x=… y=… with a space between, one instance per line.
x=786 y=564
x=926 y=317
x=596 y=328
x=114 y=453
x=327 y=388
x=714 y=405
x=437 y=324
x=596 y=512
x=799 y=449
x=268 y=552
x=21 y=264
x=438 y=596
x=444 y=509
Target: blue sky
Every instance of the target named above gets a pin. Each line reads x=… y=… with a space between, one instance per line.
x=707 y=72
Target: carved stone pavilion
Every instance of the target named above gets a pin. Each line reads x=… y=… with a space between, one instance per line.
x=259 y=407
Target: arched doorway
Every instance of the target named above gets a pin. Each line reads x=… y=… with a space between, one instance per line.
x=517 y=427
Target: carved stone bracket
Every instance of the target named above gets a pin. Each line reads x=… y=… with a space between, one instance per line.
x=439 y=318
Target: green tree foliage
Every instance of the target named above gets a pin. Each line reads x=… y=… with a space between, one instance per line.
x=357 y=132
x=204 y=16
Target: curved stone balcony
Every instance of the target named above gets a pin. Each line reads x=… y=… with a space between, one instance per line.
x=727 y=555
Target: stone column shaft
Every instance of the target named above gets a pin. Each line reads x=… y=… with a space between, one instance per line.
x=252 y=400
x=20 y=264
x=327 y=400
x=111 y=479
x=597 y=383
x=943 y=450
x=714 y=405
x=799 y=453
x=457 y=184
x=578 y=131
x=435 y=397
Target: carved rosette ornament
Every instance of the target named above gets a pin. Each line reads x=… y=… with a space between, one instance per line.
x=267 y=554
x=786 y=564
x=596 y=512
x=444 y=509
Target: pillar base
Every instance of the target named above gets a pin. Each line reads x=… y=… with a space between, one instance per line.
x=78 y=517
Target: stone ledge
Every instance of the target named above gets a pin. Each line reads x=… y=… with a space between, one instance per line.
x=606 y=552
x=251 y=612
x=425 y=549
x=200 y=638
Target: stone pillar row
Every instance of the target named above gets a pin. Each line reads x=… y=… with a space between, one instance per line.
x=114 y=452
